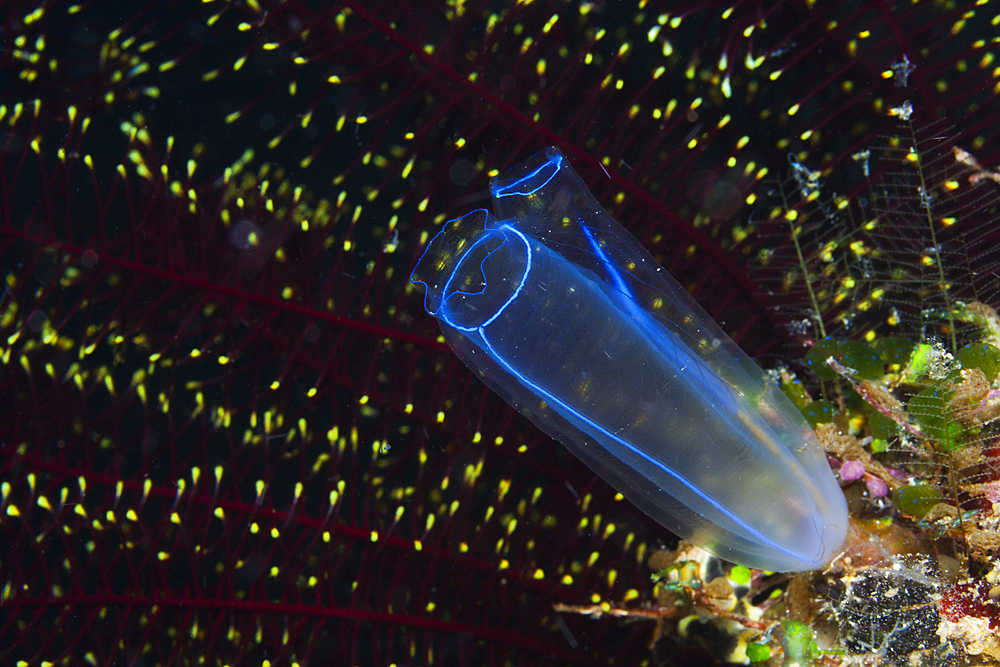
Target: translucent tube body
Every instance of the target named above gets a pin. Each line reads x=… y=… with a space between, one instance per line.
x=568 y=318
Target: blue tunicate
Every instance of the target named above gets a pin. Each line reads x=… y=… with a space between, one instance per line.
x=565 y=315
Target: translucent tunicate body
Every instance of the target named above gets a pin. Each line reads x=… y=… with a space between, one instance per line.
x=561 y=311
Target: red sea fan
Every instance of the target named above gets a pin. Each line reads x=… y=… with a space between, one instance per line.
x=230 y=434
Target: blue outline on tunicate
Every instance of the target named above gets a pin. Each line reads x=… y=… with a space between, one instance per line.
x=504 y=191
x=524 y=277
